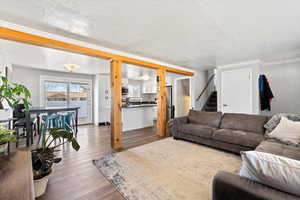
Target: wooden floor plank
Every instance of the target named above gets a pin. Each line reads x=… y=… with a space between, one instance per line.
x=77 y=178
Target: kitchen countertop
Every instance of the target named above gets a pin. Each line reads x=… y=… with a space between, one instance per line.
x=139 y=106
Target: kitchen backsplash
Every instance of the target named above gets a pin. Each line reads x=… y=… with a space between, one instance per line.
x=143 y=97
x=149 y=97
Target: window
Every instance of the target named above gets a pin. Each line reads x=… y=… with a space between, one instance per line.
x=79 y=97
x=56 y=94
x=68 y=93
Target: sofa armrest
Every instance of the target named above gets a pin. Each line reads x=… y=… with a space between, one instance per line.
x=179 y=121
x=229 y=186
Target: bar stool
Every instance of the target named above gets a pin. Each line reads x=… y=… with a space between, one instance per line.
x=49 y=121
x=69 y=122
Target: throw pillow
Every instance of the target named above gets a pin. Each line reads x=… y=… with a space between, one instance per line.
x=287 y=132
x=275 y=171
x=274 y=121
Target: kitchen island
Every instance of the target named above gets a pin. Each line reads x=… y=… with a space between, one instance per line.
x=138 y=116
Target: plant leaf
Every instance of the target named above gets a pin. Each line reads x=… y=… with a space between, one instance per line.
x=75 y=144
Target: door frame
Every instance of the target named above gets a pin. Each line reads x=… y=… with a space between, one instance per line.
x=175 y=92
x=255 y=66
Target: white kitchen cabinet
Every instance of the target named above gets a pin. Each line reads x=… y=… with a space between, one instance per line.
x=134 y=91
x=154 y=112
x=137 y=118
x=150 y=86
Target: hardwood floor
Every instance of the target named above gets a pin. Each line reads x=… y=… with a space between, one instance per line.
x=76 y=178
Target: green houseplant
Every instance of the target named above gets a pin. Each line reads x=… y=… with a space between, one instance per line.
x=44 y=156
x=13 y=94
x=5 y=137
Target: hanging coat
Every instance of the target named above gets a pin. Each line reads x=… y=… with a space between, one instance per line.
x=265 y=93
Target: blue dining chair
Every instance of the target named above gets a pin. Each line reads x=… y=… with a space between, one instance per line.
x=49 y=121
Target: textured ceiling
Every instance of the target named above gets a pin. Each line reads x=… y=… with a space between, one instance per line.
x=199 y=34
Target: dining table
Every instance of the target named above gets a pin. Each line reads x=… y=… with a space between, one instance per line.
x=48 y=110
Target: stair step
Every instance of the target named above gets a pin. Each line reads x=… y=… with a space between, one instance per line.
x=212 y=99
x=210 y=109
x=212 y=104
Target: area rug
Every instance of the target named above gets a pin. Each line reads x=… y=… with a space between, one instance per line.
x=167 y=169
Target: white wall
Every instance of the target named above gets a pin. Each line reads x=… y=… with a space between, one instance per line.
x=284 y=79
x=198 y=83
x=255 y=68
x=2 y=60
x=30 y=77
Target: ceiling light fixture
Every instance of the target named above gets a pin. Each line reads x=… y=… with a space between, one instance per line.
x=71 y=67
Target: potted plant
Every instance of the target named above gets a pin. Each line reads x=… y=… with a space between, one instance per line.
x=13 y=94
x=5 y=137
x=45 y=155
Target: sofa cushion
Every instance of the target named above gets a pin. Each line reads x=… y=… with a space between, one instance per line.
x=244 y=122
x=197 y=130
x=275 y=120
x=275 y=171
x=212 y=119
x=287 y=132
x=242 y=138
x=273 y=147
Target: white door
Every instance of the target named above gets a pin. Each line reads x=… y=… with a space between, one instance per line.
x=236 y=91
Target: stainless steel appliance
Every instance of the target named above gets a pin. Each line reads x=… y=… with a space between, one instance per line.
x=170 y=106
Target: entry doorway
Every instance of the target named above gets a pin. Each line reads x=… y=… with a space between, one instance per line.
x=182 y=100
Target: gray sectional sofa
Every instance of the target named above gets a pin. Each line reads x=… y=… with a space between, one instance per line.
x=231 y=132
x=234 y=133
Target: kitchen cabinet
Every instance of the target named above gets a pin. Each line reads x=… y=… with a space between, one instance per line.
x=150 y=86
x=134 y=91
x=154 y=112
x=137 y=117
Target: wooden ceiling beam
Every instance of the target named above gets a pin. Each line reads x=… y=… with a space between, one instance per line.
x=13 y=35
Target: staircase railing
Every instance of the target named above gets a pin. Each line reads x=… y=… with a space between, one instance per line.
x=206 y=86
